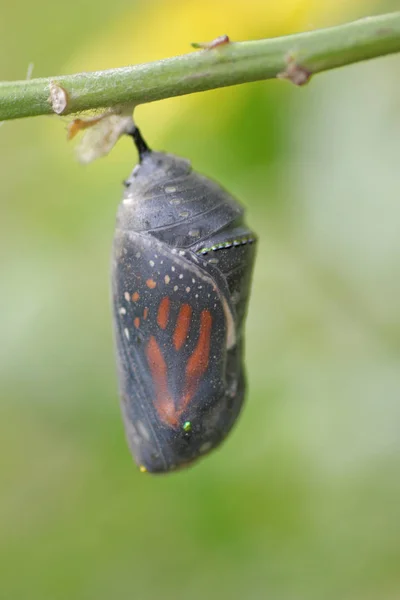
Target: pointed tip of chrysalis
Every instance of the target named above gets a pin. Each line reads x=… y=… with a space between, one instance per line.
x=140 y=143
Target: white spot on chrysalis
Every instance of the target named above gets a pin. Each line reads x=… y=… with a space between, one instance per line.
x=188 y=289
x=172 y=268
x=133 y=438
x=230 y=325
x=151 y=263
x=170 y=189
x=181 y=276
x=122 y=311
x=175 y=288
x=167 y=279
x=126 y=332
x=205 y=447
x=138 y=255
x=127 y=296
x=142 y=430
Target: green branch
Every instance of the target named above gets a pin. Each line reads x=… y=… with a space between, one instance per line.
x=295 y=57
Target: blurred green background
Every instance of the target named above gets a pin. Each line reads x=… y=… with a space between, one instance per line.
x=303 y=499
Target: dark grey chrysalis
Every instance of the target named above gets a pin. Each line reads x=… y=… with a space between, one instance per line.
x=181 y=273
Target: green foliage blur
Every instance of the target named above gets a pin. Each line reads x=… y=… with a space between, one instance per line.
x=303 y=500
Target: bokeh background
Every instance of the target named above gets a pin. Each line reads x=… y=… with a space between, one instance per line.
x=303 y=499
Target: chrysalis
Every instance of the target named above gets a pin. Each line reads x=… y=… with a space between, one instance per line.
x=181 y=274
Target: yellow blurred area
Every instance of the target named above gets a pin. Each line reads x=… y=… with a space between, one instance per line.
x=159 y=29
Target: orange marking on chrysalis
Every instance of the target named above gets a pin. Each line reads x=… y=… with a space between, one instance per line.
x=151 y=284
x=182 y=326
x=164 y=403
x=136 y=322
x=135 y=296
x=145 y=313
x=198 y=363
x=163 y=312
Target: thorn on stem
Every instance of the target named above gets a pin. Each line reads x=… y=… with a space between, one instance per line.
x=218 y=41
x=294 y=72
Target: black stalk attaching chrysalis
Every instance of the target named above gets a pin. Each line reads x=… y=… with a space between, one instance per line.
x=141 y=145
x=181 y=274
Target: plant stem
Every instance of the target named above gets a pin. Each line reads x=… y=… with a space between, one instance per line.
x=295 y=57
